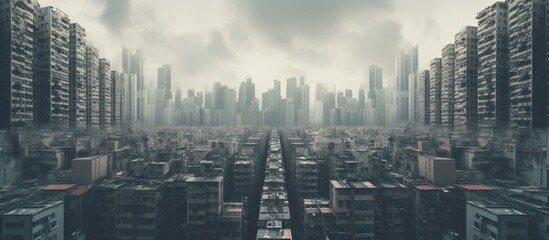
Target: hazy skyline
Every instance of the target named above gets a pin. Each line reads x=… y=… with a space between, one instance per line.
x=326 y=41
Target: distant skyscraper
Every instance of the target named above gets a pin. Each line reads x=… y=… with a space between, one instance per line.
x=375 y=79
x=406 y=64
x=291 y=87
x=447 y=89
x=493 y=69
x=131 y=98
x=132 y=63
x=16 y=63
x=466 y=81
x=51 y=68
x=435 y=85
x=105 y=85
x=403 y=69
x=77 y=76
x=246 y=95
x=163 y=93
x=92 y=88
x=528 y=77
x=424 y=79
x=304 y=110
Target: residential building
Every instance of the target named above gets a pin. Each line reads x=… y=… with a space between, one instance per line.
x=465 y=80
x=34 y=221
x=77 y=76
x=488 y=220
x=51 y=68
x=16 y=63
x=435 y=91
x=493 y=68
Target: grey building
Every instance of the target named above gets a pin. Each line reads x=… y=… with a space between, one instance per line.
x=117 y=89
x=527 y=72
x=465 y=80
x=435 y=87
x=424 y=98
x=488 y=220
x=447 y=90
x=105 y=85
x=92 y=86
x=493 y=67
x=77 y=76
x=16 y=63
x=36 y=221
x=51 y=67
x=132 y=63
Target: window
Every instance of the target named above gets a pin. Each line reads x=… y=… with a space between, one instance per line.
x=13 y=225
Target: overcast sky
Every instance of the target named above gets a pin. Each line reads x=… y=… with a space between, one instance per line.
x=229 y=40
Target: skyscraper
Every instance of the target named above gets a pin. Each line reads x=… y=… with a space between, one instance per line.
x=291 y=87
x=131 y=98
x=92 y=88
x=403 y=69
x=447 y=89
x=424 y=97
x=406 y=64
x=116 y=81
x=375 y=81
x=132 y=63
x=163 y=92
x=435 y=85
x=466 y=81
x=493 y=69
x=105 y=85
x=527 y=54
x=413 y=103
x=246 y=95
x=16 y=63
x=51 y=67
x=77 y=76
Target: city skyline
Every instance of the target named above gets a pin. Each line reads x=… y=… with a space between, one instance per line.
x=237 y=44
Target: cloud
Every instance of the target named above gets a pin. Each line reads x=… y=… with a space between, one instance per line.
x=285 y=20
x=377 y=44
x=116 y=15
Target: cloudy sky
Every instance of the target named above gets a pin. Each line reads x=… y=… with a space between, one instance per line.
x=229 y=40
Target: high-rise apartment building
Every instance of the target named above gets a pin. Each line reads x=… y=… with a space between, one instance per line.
x=105 y=85
x=447 y=88
x=51 y=67
x=435 y=87
x=424 y=97
x=77 y=76
x=413 y=102
x=465 y=80
x=493 y=68
x=16 y=63
x=527 y=62
x=92 y=86
x=117 y=82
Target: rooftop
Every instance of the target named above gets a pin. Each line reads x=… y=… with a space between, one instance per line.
x=474 y=187
x=496 y=209
x=281 y=234
x=29 y=210
x=58 y=187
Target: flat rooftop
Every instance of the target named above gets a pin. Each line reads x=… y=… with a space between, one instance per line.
x=33 y=209
x=280 y=234
x=496 y=209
